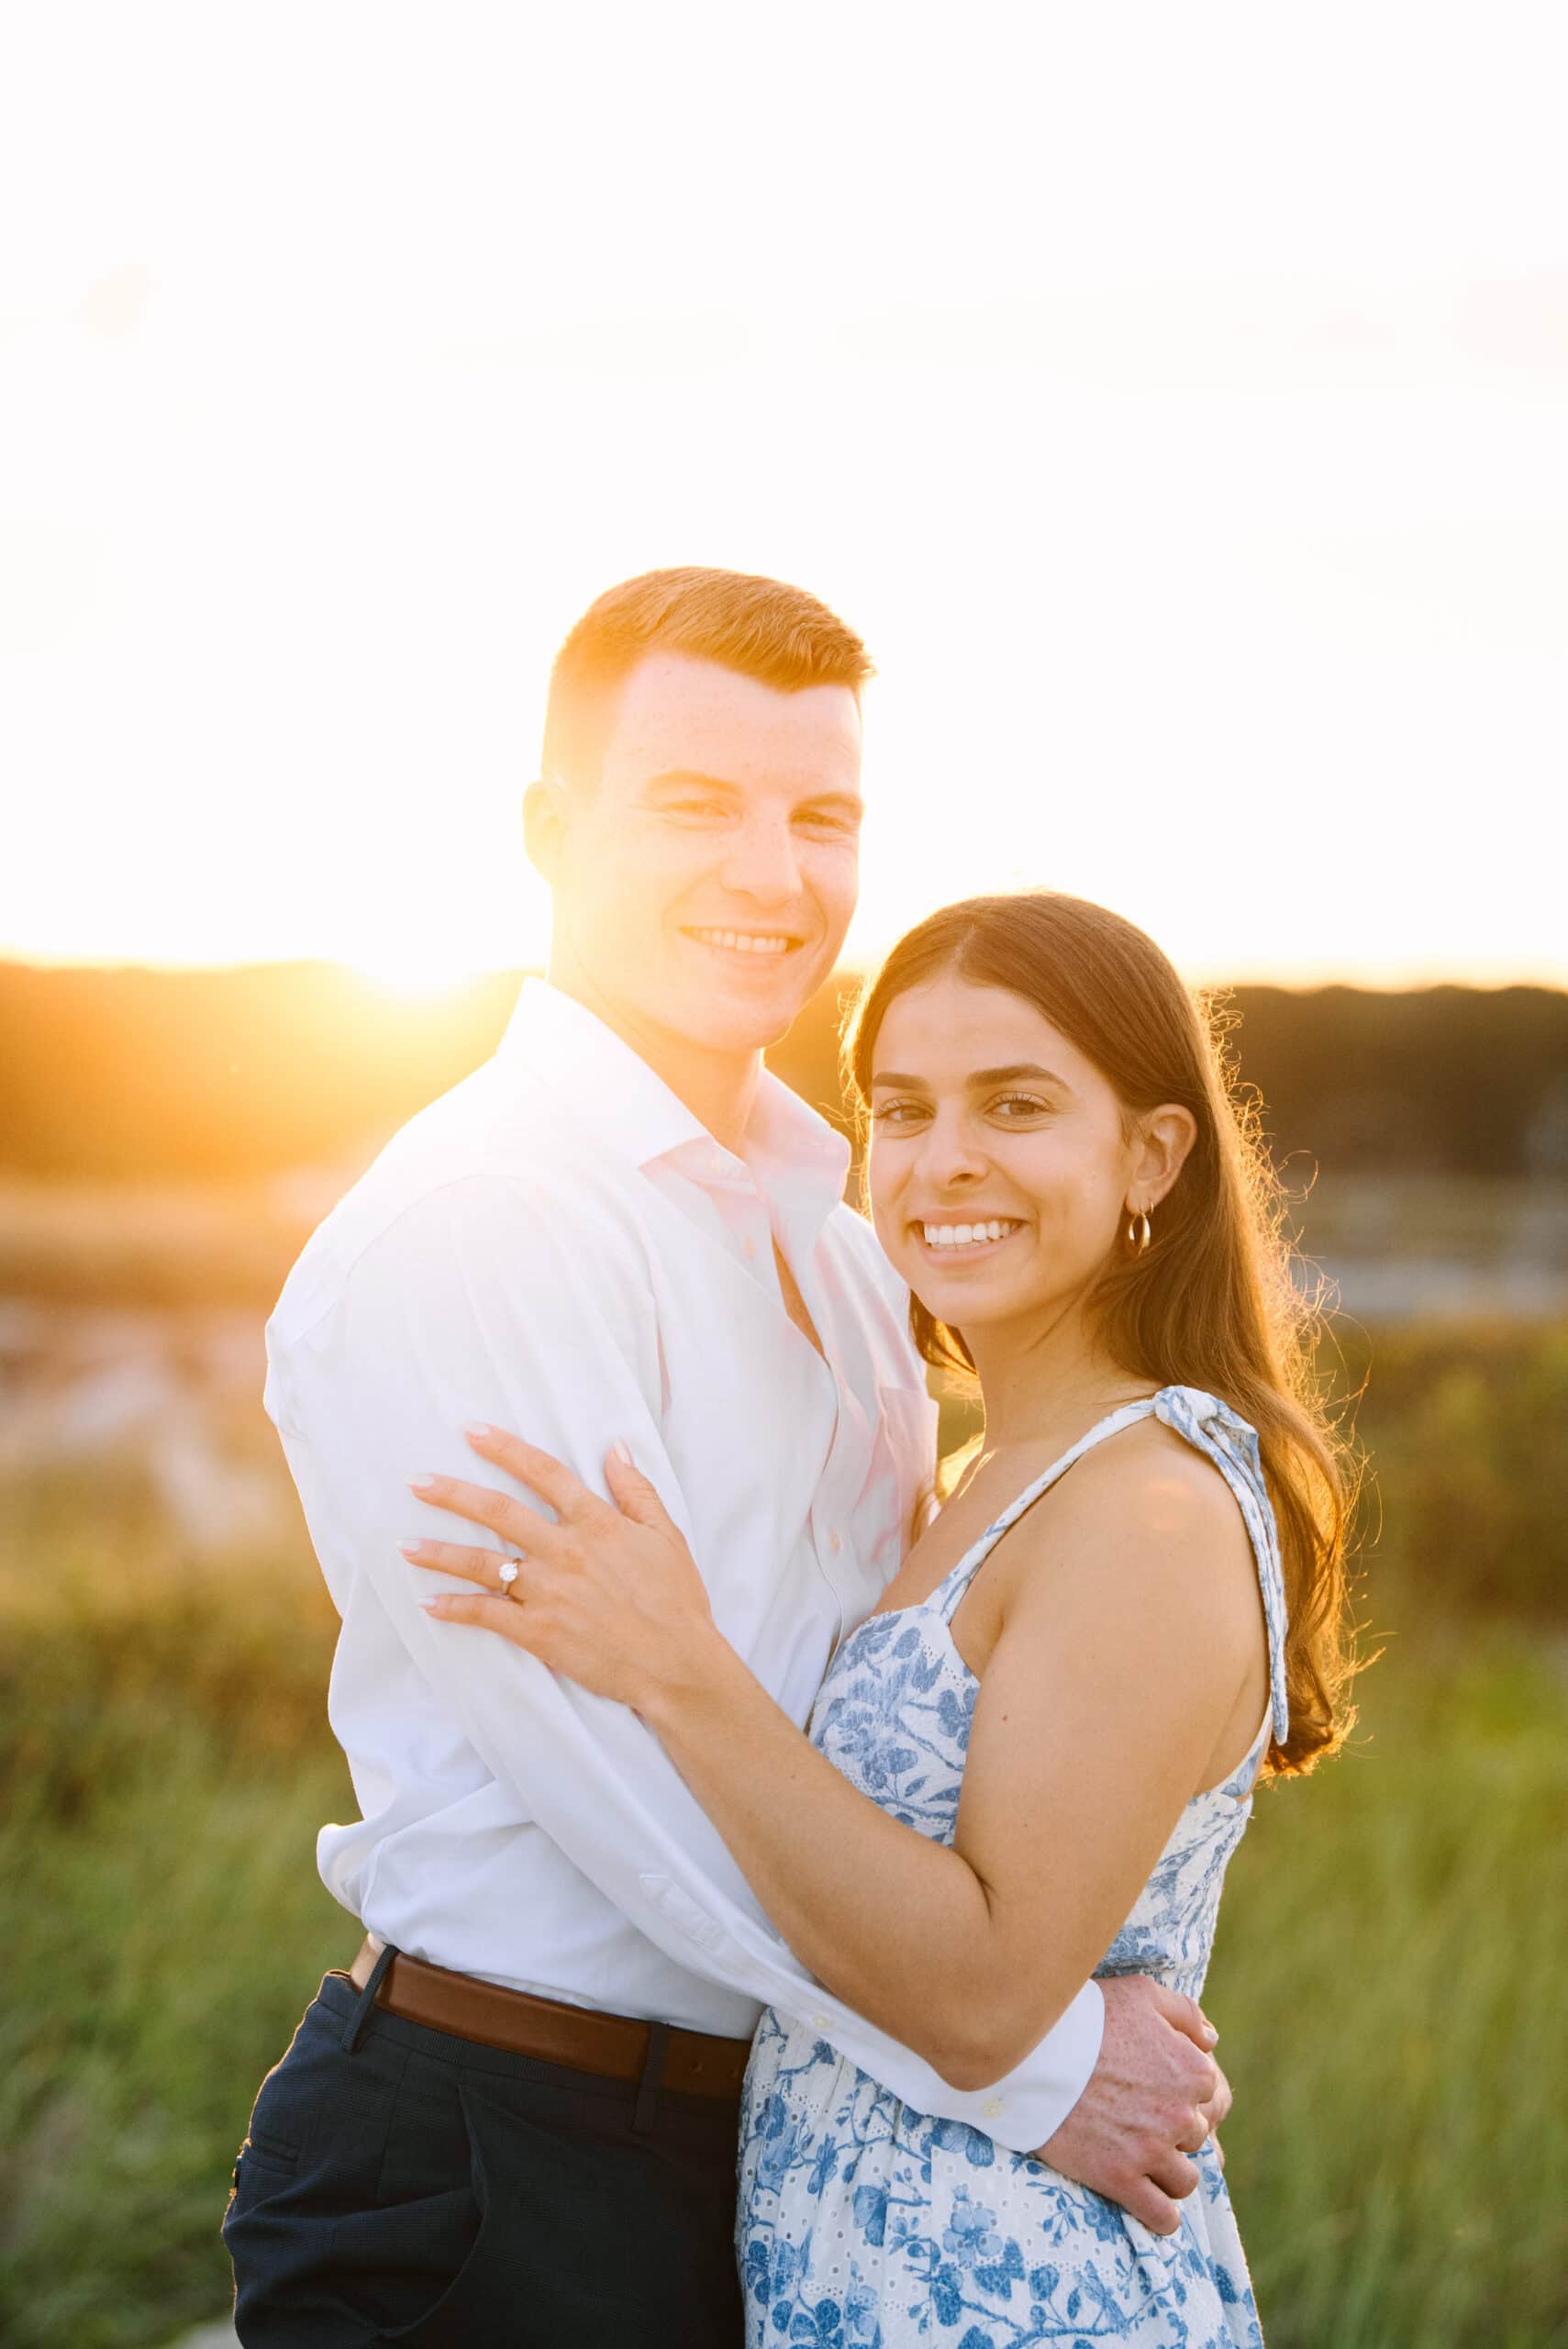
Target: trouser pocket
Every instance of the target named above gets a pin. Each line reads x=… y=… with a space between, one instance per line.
x=353 y=2210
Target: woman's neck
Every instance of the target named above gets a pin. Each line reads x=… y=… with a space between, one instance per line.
x=1049 y=1388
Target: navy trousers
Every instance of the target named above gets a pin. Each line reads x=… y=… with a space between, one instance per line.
x=402 y=2185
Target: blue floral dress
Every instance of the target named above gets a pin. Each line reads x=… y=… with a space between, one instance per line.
x=866 y=2225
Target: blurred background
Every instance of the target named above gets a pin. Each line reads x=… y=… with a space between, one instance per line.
x=1175 y=402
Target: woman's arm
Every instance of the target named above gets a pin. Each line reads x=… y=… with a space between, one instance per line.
x=1134 y=1626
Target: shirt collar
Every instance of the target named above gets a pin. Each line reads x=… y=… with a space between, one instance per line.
x=635 y=1114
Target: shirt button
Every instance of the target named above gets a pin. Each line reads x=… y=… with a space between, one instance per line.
x=823 y=2022
x=994 y=2106
x=835 y=1543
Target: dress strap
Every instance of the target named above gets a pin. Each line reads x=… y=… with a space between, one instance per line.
x=1212 y=1428
x=969 y=1566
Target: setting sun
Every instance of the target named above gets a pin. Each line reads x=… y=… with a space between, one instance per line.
x=1210 y=558
x=419 y=974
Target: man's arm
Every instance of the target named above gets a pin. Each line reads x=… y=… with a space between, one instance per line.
x=484 y=1304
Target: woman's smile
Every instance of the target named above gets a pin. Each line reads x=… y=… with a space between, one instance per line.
x=999 y=1158
x=964 y=1240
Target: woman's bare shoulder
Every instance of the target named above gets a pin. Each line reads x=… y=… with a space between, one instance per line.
x=1147 y=1514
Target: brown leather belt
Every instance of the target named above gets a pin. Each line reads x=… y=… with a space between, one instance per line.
x=580 y=2037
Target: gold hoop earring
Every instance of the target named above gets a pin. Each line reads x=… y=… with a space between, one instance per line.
x=1139 y=1233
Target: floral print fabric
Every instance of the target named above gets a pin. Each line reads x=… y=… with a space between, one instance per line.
x=866 y=2225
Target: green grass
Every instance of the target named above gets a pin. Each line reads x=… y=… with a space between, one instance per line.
x=157 y=1957
x=1466 y=1432
x=164 y=1765
x=1389 y=1981
x=1389 y=1985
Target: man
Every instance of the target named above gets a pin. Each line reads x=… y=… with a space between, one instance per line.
x=513 y=2121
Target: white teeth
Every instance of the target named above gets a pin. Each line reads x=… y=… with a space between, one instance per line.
x=965 y=1235
x=743 y=942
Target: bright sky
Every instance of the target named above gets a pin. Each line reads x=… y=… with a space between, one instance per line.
x=1176 y=399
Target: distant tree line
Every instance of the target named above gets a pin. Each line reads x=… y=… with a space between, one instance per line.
x=148 y=1076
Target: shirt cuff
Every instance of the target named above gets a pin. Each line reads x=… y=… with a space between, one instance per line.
x=1026 y=2108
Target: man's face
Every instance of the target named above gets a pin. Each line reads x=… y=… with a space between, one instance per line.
x=704 y=888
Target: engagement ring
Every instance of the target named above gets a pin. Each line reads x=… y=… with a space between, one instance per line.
x=508 y=1572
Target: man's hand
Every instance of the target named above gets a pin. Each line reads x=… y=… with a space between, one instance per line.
x=1155 y=2094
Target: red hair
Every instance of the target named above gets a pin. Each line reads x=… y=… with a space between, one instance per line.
x=760 y=627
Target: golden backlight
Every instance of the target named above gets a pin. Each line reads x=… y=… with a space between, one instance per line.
x=1202 y=508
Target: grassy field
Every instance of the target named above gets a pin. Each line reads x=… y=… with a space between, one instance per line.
x=1389 y=1982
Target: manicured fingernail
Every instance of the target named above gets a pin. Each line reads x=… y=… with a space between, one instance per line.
x=621 y=1452
x=410 y=1549
x=420 y=1484
x=1210 y=2036
x=429 y=1607
x=479 y=1431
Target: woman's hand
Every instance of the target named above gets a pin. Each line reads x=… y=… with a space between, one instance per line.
x=608 y=1593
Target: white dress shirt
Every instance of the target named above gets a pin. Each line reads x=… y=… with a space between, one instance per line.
x=558 y=1247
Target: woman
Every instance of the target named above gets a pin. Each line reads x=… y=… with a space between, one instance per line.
x=1033 y=1761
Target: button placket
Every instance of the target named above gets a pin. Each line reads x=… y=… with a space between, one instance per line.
x=832 y=1532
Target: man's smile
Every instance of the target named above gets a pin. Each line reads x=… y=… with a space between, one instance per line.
x=769 y=943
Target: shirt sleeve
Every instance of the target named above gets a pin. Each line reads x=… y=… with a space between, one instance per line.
x=485 y=1301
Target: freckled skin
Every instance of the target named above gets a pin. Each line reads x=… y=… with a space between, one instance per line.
x=721 y=803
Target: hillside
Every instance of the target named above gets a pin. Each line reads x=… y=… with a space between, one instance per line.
x=141 y=1075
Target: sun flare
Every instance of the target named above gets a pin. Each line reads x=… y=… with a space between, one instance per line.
x=414 y=971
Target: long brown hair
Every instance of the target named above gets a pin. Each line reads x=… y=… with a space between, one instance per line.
x=1212 y=1302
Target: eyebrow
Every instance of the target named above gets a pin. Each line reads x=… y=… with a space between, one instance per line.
x=677 y=778
x=980 y=1077
x=690 y=775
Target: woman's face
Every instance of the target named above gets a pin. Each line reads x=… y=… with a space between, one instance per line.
x=1000 y=1167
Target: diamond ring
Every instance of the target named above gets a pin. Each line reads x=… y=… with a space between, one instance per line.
x=507 y=1574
